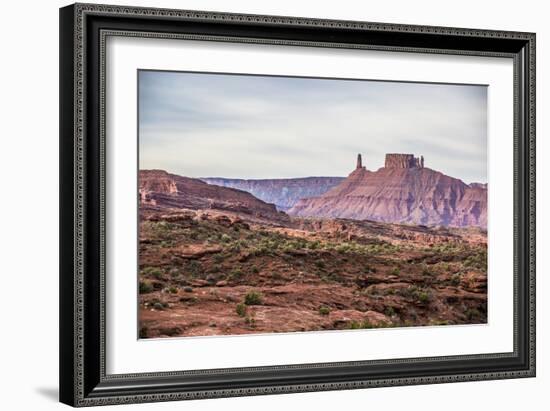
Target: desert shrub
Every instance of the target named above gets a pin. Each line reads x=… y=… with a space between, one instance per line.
x=331 y=277
x=234 y=247
x=357 y=325
x=225 y=238
x=173 y=290
x=145 y=288
x=472 y=314
x=314 y=245
x=423 y=297
x=395 y=271
x=251 y=321
x=188 y=289
x=193 y=267
x=253 y=298
x=344 y=248
x=445 y=266
x=367 y=324
x=235 y=274
x=389 y=311
x=439 y=322
x=324 y=310
x=477 y=260
x=320 y=264
x=153 y=272
x=241 y=309
x=354 y=325
x=254 y=270
x=455 y=279
x=158 y=306
x=189 y=300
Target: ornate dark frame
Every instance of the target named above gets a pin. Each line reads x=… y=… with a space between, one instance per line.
x=83 y=30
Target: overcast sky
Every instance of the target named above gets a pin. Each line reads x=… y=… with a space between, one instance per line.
x=206 y=125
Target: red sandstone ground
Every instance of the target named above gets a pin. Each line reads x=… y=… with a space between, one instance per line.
x=221 y=272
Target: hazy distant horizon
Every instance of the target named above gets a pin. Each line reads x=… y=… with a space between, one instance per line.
x=259 y=127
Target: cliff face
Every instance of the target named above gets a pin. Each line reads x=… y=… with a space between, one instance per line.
x=284 y=193
x=159 y=189
x=403 y=191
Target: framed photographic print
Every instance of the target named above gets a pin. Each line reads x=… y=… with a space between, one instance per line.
x=261 y=204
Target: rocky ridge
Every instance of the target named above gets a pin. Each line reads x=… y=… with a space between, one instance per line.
x=159 y=190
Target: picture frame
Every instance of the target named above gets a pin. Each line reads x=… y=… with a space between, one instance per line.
x=84 y=82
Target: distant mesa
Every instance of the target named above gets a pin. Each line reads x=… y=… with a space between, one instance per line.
x=403 y=191
x=283 y=192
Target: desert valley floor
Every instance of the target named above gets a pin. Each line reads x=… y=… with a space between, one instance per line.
x=215 y=273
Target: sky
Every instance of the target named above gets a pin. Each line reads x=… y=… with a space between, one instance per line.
x=242 y=126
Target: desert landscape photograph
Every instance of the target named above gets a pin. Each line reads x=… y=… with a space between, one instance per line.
x=272 y=204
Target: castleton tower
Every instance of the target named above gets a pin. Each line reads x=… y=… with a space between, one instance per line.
x=359 y=162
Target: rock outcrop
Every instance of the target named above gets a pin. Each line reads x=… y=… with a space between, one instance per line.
x=285 y=192
x=161 y=190
x=404 y=191
x=403 y=161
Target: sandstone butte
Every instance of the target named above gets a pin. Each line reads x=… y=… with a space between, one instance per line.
x=403 y=191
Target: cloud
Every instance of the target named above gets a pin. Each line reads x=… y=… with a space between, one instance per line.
x=278 y=127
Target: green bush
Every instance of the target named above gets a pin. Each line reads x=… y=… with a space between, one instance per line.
x=253 y=298
x=423 y=297
x=143 y=331
x=255 y=270
x=158 y=306
x=251 y=321
x=241 y=309
x=145 y=288
x=356 y=325
x=153 y=272
x=320 y=264
x=194 y=268
x=236 y=274
x=472 y=314
x=455 y=279
x=324 y=310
